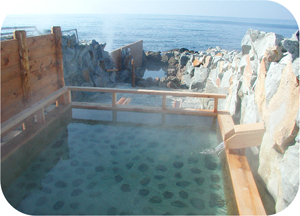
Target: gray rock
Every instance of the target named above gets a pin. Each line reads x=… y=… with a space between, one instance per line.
x=184 y=59
x=273 y=80
x=289 y=169
x=199 y=78
x=292 y=46
x=296 y=68
x=186 y=81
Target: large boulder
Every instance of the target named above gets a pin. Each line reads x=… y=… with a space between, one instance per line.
x=259 y=42
x=199 y=78
x=153 y=56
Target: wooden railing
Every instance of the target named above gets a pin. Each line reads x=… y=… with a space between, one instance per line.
x=135 y=108
x=65 y=98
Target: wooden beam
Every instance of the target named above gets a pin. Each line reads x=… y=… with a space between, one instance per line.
x=147 y=92
x=133 y=74
x=246 y=135
x=151 y=109
x=177 y=103
x=246 y=193
x=56 y=30
x=226 y=125
x=20 y=36
x=215 y=105
x=127 y=101
x=164 y=102
x=121 y=101
x=112 y=70
x=113 y=99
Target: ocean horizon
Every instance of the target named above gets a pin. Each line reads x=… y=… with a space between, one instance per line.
x=159 y=32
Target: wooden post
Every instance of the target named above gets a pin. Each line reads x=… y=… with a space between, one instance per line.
x=114 y=116
x=41 y=116
x=133 y=74
x=164 y=102
x=56 y=30
x=20 y=36
x=216 y=105
x=113 y=99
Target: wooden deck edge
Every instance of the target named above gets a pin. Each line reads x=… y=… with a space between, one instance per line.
x=17 y=142
x=135 y=108
x=246 y=193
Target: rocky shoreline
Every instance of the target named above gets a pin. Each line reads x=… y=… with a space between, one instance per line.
x=261 y=83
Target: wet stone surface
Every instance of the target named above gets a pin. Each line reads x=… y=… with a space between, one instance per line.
x=77 y=182
x=150 y=160
x=161 y=168
x=193 y=160
x=80 y=171
x=61 y=184
x=48 y=179
x=95 y=194
x=183 y=183
x=112 y=211
x=195 y=170
x=215 y=178
x=145 y=181
x=125 y=188
x=155 y=199
x=177 y=164
x=178 y=175
x=199 y=181
x=74 y=205
x=148 y=211
x=198 y=203
x=168 y=194
x=153 y=144
x=183 y=194
x=91 y=185
x=129 y=166
x=143 y=192
x=58 y=144
x=99 y=169
x=215 y=186
x=58 y=205
x=118 y=178
x=76 y=192
x=216 y=200
x=143 y=167
x=41 y=201
x=159 y=177
x=161 y=186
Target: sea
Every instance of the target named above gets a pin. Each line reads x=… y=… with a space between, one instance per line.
x=158 y=32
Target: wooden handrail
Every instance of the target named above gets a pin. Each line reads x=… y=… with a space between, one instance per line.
x=148 y=92
x=39 y=106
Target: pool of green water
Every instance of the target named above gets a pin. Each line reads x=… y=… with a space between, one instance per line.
x=125 y=163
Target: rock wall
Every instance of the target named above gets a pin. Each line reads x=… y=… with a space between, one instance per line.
x=85 y=64
x=262 y=84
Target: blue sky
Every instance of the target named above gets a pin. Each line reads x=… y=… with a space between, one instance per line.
x=226 y=8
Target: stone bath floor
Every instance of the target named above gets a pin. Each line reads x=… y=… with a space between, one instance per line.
x=119 y=169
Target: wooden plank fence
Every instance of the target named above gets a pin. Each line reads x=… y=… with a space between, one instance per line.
x=31 y=69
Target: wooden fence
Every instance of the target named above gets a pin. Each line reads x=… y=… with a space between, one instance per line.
x=31 y=69
x=136 y=50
